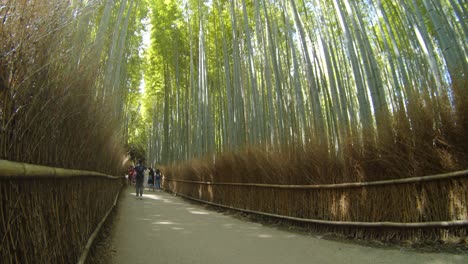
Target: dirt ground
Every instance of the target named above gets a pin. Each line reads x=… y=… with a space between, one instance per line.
x=163 y=228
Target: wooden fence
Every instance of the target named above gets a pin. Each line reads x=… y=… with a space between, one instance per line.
x=422 y=208
x=47 y=215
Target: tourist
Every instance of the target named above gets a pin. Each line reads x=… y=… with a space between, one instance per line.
x=157 y=180
x=140 y=176
x=151 y=179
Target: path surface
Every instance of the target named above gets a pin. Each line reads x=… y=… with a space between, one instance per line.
x=163 y=228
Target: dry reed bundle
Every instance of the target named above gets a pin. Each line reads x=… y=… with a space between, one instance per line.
x=49 y=218
x=52 y=107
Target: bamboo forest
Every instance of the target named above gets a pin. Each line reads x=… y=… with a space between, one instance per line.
x=347 y=89
x=307 y=91
x=266 y=92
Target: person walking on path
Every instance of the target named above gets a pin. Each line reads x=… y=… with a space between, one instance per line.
x=151 y=183
x=131 y=170
x=157 y=180
x=140 y=170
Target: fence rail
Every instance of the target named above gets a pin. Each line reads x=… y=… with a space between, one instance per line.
x=50 y=215
x=436 y=177
x=342 y=223
x=17 y=170
x=432 y=207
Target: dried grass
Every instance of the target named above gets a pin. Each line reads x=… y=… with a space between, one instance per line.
x=52 y=109
x=49 y=220
x=53 y=112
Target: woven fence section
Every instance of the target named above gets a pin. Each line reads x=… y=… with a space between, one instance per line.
x=405 y=203
x=49 y=220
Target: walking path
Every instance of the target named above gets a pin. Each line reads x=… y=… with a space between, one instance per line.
x=163 y=228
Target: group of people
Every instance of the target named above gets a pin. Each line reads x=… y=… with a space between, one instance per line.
x=136 y=175
x=154 y=179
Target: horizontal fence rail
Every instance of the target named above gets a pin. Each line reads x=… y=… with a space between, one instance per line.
x=436 y=177
x=432 y=207
x=17 y=170
x=342 y=223
x=52 y=215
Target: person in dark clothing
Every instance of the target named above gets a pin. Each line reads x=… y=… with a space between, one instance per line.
x=140 y=175
x=151 y=178
x=157 y=180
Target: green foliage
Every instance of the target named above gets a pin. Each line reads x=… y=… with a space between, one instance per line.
x=225 y=75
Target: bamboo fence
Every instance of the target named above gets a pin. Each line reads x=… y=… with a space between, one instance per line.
x=47 y=215
x=430 y=208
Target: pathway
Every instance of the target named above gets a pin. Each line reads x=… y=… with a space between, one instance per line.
x=163 y=228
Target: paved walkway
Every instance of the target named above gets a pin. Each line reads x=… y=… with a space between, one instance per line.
x=163 y=228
